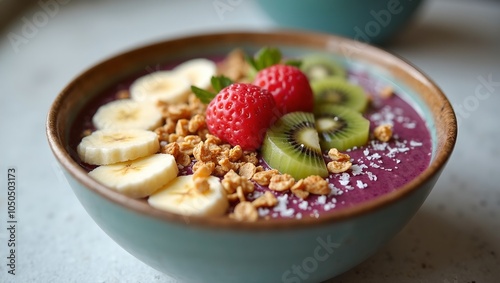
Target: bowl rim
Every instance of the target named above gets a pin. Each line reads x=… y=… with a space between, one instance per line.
x=141 y=207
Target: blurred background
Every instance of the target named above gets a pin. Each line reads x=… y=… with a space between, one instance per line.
x=44 y=44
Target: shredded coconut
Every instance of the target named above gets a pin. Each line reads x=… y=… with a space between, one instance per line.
x=344 y=179
x=410 y=125
x=366 y=152
x=361 y=185
x=282 y=203
x=329 y=206
x=287 y=212
x=303 y=205
x=356 y=170
x=263 y=211
x=371 y=176
x=321 y=199
x=415 y=143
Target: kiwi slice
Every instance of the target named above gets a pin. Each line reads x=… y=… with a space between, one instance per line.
x=318 y=67
x=291 y=146
x=340 y=127
x=339 y=91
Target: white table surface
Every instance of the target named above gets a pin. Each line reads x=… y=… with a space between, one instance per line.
x=453 y=238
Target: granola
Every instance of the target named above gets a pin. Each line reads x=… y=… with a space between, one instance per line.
x=245 y=211
x=383 y=132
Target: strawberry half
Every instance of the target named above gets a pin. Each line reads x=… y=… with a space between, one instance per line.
x=240 y=114
x=289 y=86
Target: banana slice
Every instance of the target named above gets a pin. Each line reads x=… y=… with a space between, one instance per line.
x=138 y=178
x=198 y=71
x=109 y=146
x=127 y=114
x=165 y=86
x=181 y=196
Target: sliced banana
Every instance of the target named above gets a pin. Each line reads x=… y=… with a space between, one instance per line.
x=165 y=86
x=138 y=178
x=127 y=114
x=182 y=197
x=199 y=71
x=109 y=146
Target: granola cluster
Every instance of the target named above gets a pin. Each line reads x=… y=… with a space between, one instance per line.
x=341 y=162
x=383 y=132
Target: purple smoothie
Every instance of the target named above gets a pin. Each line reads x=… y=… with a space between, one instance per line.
x=378 y=167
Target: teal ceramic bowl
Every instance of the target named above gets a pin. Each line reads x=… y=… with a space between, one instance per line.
x=373 y=21
x=195 y=249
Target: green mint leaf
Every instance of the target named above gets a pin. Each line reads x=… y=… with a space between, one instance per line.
x=268 y=56
x=252 y=62
x=220 y=82
x=265 y=57
x=204 y=95
x=294 y=62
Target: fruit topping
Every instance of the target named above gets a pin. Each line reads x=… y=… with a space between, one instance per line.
x=340 y=127
x=318 y=67
x=164 y=86
x=183 y=196
x=198 y=71
x=127 y=114
x=289 y=86
x=292 y=146
x=240 y=114
x=138 y=178
x=117 y=145
x=338 y=91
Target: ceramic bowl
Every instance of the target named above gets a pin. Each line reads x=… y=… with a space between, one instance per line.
x=373 y=21
x=195 y=249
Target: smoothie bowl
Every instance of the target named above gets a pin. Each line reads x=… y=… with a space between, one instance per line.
x=199 y=156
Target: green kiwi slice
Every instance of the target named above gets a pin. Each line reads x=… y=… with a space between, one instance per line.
x=340 y=127
x=339 y=91
x=291 y=146
x=318 y=67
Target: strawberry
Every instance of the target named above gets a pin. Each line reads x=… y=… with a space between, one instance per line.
x=240 y=114
x=289 y=86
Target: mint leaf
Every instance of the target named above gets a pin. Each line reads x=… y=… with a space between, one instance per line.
x=220 y=82
x=294 y=62
x=204 y=95
x=252 y=62
x=265 y=57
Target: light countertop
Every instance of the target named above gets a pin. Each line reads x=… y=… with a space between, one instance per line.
x=454 y=237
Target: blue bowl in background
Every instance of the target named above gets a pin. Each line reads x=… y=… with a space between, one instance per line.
x=374 y=21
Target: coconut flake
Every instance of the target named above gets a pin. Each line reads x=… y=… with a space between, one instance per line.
x=415 y=143
x=371 y=176
x=410 y=125
x=287 y=212
x=356 y=170
x=361 y=185
x=263 y=211
x=366 y=152
x=321 y=200
x=344 y=179
x=303 y=205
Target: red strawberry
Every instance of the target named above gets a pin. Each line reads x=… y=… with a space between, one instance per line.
x=289 y=86
x=240 y=115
